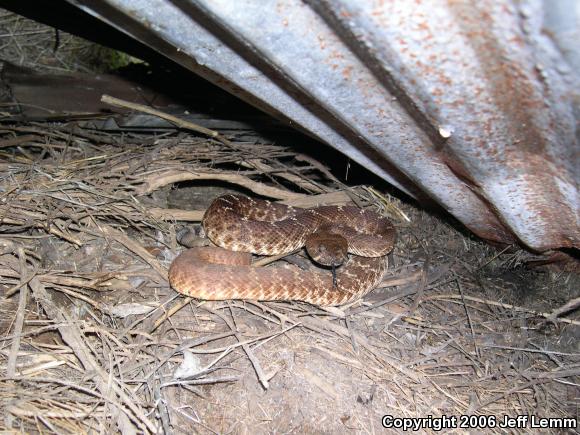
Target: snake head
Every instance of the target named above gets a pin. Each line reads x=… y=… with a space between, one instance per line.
x=327 y=249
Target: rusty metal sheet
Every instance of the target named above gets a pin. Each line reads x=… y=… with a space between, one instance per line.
x=472 y=104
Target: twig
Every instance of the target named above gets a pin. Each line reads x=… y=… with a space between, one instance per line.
x=5 y=143
x=353 y=342
x=134 y=247
x=523 y=349
x=388 y=204
x=569 y=306
x=420 y=286
x=18 y=325
x=146 y=109
x=205 y=381
x=332 y=198
x=186 y=345
x=162 y=409
x=255 y=363
x=401 y=280
x=469 y=321
x=23 y=282
x=406 y=292
x=494 y=257
x=298 y=179
x=73 y=337
x=170 y=214
x=40 y=222
x=156 y=181
x=500 y=304
x=174 y=309
x=513 y=390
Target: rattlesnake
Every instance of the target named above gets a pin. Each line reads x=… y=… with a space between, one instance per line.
x=241 y=223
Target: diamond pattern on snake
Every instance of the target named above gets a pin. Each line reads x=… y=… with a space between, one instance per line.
x=346 y=239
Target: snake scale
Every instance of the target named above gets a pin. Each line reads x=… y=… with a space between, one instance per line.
x=241 y=225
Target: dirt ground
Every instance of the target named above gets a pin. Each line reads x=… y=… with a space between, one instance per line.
x=88 y=231
x=93 y=339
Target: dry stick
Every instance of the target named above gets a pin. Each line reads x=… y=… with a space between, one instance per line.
x=134 y=247
x=18 y=325
x=401 y=280
x=148 y=317
x=5 y=143
x=494 y=257
x=162 y=408
x=174 y=309
x=407 y=291
x=39 y=220
x=388 y=359
x=525 y=349
x=23 y=282
x=65 y=383
x=449 y=396
x=72 y=336
x=351 y=334
x=98 y=305
x=502 y=305
x=513 y=390
x=278 y=314
x=466 y=308
x=245 y=305
x=255 y=363
x=73 y=415
x=224 y=351
x=146 y=109
x=33 y=332
x=333 y=197
x=286 y=173
x=175 y=214
x=156 y=181
x=569 y=306
x=295 y=174
x=388 y=204
x=317 y=165
x=166 y=214
x=555 y=374
x=204 y=381
x=420 y=287
x=173 y=119
x=186 y=345
x=52 y=280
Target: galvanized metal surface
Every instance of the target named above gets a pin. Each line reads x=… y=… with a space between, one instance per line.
x=473 y=104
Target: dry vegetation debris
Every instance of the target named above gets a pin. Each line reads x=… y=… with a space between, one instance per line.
x=93 y=339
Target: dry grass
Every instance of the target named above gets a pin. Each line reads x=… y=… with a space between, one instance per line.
x=94 y=340
x=30 y=44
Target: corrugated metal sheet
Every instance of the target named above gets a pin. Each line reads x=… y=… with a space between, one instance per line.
x=473 y=104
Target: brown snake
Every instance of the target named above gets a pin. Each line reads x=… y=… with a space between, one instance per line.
x=241 y=223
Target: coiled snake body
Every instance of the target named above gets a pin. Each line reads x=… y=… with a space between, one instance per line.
x=240 y=223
